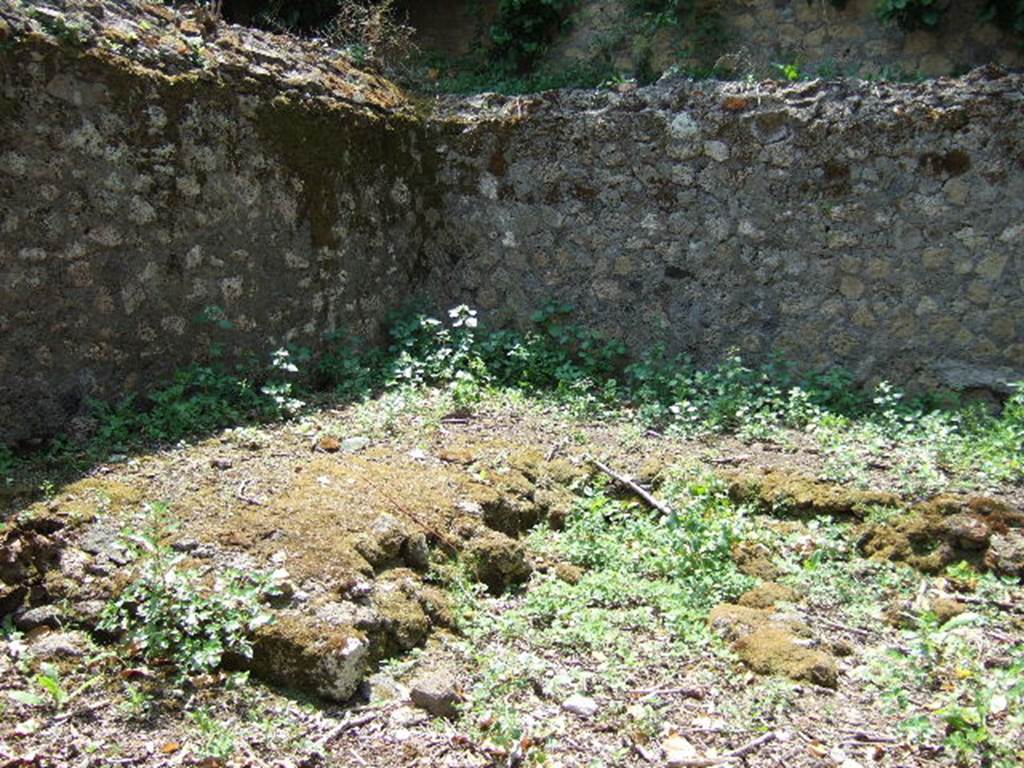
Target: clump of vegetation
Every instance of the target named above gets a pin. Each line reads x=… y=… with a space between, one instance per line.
x=1007 y=14
x=929 y=14
x=523 y=28
x=700 y=27
x=509 y=58
x=911 y=14
x=50 y=689
x=371 y=32
x=512 y=60
x=637 y=576
x=167 y=614
x=200 y=398
x=928 y=441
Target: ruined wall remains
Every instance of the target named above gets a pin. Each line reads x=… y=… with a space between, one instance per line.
x=149 y=173
x=816 y=36
x=150 y=169
x=876 y=226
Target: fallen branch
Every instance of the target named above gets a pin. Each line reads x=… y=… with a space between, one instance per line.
x=645 y=495
x=345 y=725
x=240 y=495
x=1000 y=604
x=444 y=540
x=81 y=712
x=690 y=693
x=868 y=737
x=558 y=446
x=728 y=757
x=647 y=754
x=838 y=625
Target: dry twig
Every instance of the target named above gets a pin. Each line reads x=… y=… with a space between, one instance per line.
x=837 y=625
x=442 y=538
x=645 y=495
x=345 y=725
x=690 y=693
x=1000 y=604
x=240 y=495
x=728 y=757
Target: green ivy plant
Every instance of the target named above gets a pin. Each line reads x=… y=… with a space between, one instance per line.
x=911 y=14
x=523 y=29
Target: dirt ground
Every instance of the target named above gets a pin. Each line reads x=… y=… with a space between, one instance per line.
x=355 y=511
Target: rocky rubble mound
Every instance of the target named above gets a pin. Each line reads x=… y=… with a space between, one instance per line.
x=929 y=536
x=786 y=493
x=771 y=641
x=949 y=529
x=353 y=533
x=189 y=40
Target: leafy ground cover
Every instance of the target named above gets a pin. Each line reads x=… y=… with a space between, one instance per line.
x=440 y=508
x=930 y=442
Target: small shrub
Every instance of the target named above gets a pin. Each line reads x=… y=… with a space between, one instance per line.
x=217 y=741
x=372 y=32
x=168 y=615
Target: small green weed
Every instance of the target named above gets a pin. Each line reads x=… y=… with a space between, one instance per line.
x=790 y=72
x=51 y=690
x=977 y=708
x=218 y=742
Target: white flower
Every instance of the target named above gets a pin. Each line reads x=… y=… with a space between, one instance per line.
x=280 y=361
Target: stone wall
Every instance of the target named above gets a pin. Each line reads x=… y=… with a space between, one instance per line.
x=880 y=227
x=149 y=173
x=816 y=36
x=151 y=169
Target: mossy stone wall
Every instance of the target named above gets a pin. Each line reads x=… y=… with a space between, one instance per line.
x=874 y=226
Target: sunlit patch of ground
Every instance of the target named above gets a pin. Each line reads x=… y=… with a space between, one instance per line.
x=402 y=522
